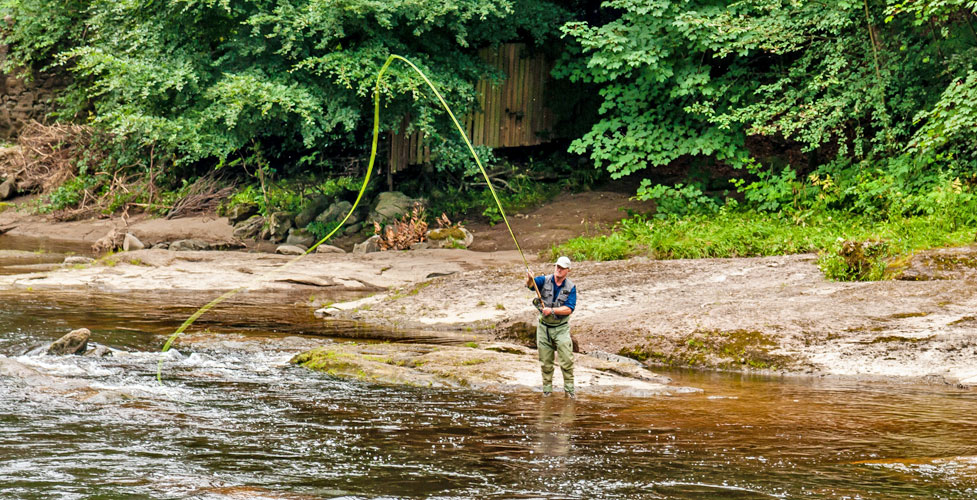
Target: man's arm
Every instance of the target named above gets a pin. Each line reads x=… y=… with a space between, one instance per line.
x=540 y=280
x=567 y=308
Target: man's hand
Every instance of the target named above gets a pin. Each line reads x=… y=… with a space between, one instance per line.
x=547 y=311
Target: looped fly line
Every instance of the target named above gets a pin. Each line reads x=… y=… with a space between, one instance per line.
x=366 y=180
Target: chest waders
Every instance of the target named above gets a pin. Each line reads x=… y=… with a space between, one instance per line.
x=553 y=337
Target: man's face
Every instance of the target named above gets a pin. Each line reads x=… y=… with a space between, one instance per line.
x=560 y=273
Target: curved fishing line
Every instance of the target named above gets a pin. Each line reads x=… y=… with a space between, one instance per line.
x=366 y=180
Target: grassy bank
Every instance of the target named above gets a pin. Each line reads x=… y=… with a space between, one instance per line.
x=871 y=243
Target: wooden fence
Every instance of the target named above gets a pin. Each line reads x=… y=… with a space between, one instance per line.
x=510 y=114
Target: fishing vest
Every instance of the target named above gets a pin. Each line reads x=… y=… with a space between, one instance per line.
x=550 y=301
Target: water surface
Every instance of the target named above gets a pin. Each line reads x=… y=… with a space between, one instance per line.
x=234 y=420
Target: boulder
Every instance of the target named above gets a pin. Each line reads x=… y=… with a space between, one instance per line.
x=317 y=204
x=391 y=206
x=130 y=243
x=241 y=212
x=300 y=237
x=75 y=342
x=328 y=249
x=353 y=229
x=279 y=225
x=8 y=188
x=450 y=237
x=189 y=245
x=291 y=250
x=110 y=241
x=372 y=244
x=336 y=212
x=249 y=228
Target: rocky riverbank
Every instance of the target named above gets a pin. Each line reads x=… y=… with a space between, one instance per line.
x=769 y=315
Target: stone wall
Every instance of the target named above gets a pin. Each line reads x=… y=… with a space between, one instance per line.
x=23 y=100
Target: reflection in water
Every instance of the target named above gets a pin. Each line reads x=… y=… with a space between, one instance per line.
x=556 y=418
x=234 y=420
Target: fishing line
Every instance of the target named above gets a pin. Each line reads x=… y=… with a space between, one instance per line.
x=366 y=180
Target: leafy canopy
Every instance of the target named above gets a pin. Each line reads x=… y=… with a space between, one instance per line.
x=203 y=78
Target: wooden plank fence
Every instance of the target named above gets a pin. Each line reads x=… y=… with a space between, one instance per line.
x=510 y=114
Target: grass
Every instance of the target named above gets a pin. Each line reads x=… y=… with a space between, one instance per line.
x=754 y=234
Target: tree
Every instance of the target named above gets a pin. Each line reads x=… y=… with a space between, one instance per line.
x=205 y=78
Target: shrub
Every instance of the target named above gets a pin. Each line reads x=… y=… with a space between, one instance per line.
x=400 y=235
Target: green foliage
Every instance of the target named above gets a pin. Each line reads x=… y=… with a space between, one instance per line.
x=615 y=246
x=320 y=230
x=849 y=81
x=855 y=260
x=525 y=193
x=734 y=232
x=677 y=201
x=770 y=192
x=452 y=155
x=293 y=194
x=949 y=125
x=41 y=29
x=517 y=191
x=649 y=65
x=71 y=192
x=202 y=79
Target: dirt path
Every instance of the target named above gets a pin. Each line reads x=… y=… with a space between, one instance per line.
x=568 y=216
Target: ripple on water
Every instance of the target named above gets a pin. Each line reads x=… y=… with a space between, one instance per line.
x=233 y=420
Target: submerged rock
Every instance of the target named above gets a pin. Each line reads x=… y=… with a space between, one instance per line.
x=493 y=367
x=99 y=352
x=75 y=342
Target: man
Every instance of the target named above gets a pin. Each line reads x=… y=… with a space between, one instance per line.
x=553 y=331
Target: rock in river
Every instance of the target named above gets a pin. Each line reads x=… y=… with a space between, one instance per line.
x=492 y=367
x=75 y=342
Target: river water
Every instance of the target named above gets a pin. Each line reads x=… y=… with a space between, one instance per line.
x=234 y=420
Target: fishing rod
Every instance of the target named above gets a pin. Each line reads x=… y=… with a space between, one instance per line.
x=366 y=180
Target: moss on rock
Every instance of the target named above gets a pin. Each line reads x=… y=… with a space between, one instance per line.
x=447 y=232
x=713 y=349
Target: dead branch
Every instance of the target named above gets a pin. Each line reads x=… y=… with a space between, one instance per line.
x=204 y=195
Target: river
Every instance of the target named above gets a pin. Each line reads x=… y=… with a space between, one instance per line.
x=233 y=419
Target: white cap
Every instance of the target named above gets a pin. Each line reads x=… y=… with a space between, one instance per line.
x=563 y=262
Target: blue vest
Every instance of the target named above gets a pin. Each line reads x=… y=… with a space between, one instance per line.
x=550 y=301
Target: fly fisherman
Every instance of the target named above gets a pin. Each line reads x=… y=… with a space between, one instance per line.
x=559 y=299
